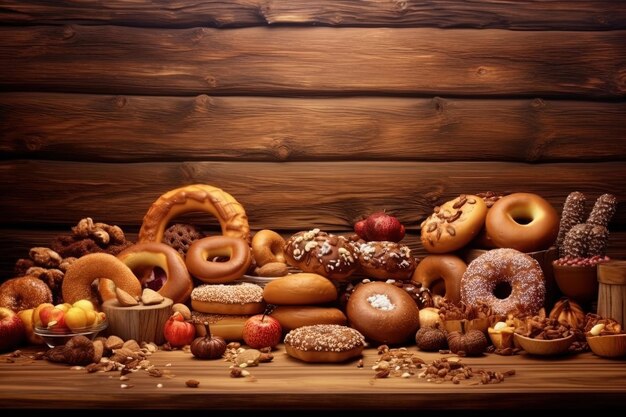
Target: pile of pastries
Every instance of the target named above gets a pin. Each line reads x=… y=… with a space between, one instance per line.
x=332 y=294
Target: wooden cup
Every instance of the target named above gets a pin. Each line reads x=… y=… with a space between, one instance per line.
x=612 y=290
x=141 y=323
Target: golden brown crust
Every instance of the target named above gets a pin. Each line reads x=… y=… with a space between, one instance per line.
x=454 y=224
x=292 y=317
x=300 y=289
x=200 y=251
x=386 y=260
x=324 y=343
x=191 y=199
x=239 y=299
x=383 y=313
x=540 y=222
x=81 y=273
x=143 y=257
x=267 y=247
x=23 y=293
x=323 y=357
x=450 y=268
x=229 y=328
x=317 y=252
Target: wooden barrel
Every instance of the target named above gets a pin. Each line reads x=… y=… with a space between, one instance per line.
x=612 y=290
x=141 y=323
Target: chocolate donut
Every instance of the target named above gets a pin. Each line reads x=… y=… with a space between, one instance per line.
x=321 y=253
x=386 y=260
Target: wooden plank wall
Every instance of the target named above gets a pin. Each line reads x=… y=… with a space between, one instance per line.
x=311 y=113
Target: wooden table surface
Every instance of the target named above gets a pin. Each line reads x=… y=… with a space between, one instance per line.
x=577 y=381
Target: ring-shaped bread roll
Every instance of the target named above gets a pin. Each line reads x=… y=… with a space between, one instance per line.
x=522 y=221
x=86 y=269
x=267 y=247
x=192 y=199
x=201 y=252
x=449 y=268
x=145 y=256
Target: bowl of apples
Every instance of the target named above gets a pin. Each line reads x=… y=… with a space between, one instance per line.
x=56 y=325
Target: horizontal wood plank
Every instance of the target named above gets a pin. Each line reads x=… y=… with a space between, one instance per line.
x=320 y=61
x=582 y=381
x=291 y=196
x=524 y=14
x=15 y=243
x=147 y=128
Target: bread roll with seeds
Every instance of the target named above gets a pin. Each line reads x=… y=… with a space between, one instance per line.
x=324 y=343
x=237 y=299
x=453 y=224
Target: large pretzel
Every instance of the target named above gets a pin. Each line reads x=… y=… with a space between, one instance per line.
x=191 y=199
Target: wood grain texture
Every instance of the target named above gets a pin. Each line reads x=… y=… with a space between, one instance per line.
x=523 y=14
x=321 y=61
x=580 y=381
x=145 y=128
x=291 y=196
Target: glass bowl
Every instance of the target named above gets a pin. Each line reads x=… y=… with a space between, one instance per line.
x=57 y=337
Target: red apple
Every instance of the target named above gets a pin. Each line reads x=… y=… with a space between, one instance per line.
x=12 y=329
x=178 y=332
x=380 y=226
x=52 y=318
x=262 y=331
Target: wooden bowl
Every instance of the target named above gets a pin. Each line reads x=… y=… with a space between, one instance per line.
x=544 y=347
x=580 y=283
x=609 y=346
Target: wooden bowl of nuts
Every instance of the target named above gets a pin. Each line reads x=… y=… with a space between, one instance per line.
x=544 y=347
x=608 y=346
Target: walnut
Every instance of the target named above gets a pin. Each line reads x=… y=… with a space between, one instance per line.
x=79 y=350
x=66 y=263
x=56 y=354
x=100 y=236
x=45 y=257
x=23 y=265
x=54 y=278
x=83 y=228
x=115 y=233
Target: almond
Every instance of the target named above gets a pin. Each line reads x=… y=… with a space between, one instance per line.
x=183 y=310
x=272 y=269
x=150 y=297
x=113 y=342
x=125 y=299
